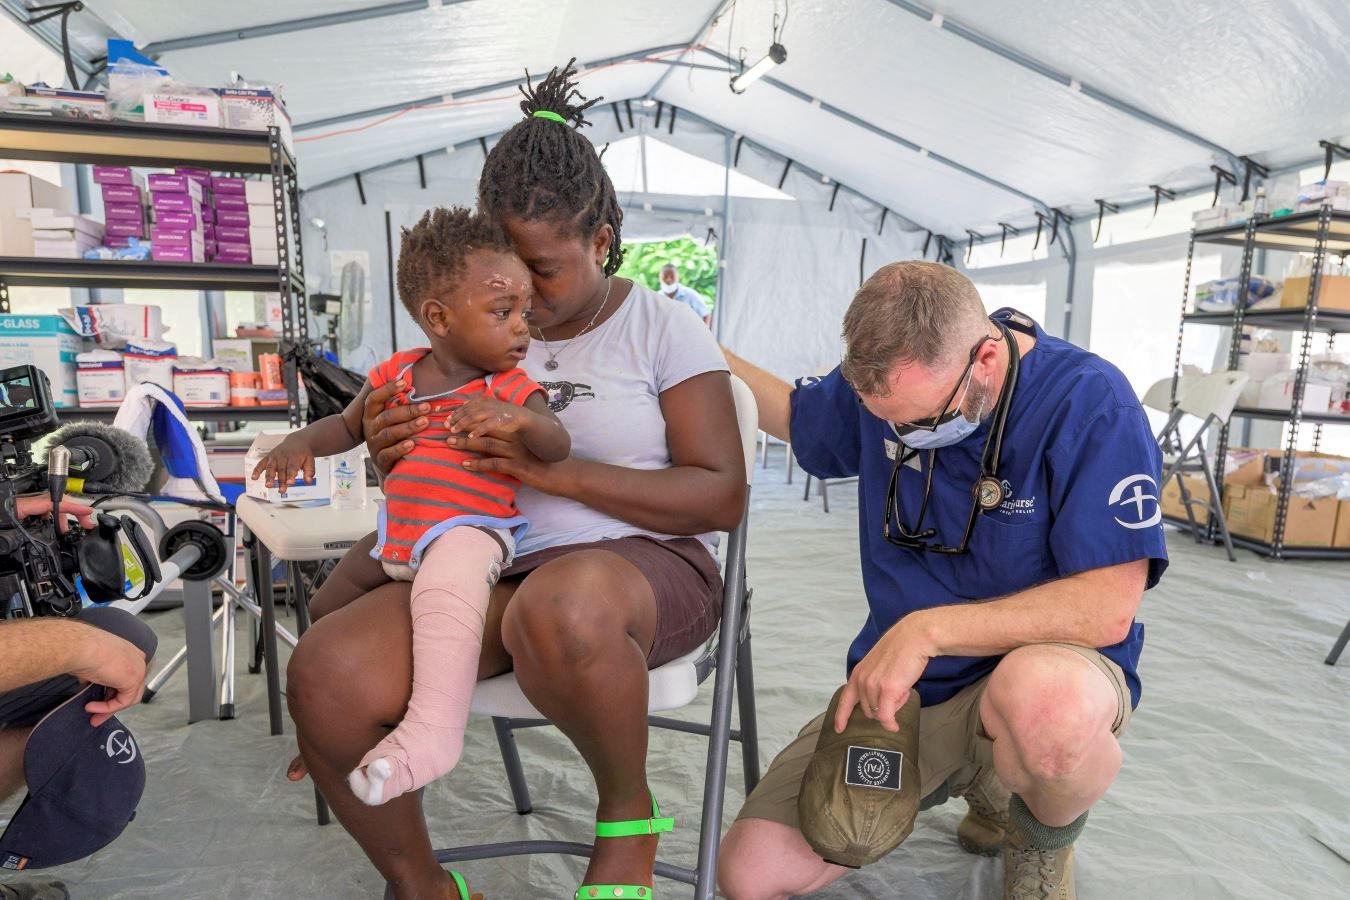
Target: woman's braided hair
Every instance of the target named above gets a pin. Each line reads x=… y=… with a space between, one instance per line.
x=543 y=169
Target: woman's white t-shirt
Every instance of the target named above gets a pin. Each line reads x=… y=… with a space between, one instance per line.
x=606 y=390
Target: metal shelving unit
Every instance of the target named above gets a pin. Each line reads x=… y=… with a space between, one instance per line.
x=216 y=414
x=1319 y=232
x=141 y=144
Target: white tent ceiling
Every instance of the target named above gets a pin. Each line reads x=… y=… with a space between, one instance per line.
x=1100 y=101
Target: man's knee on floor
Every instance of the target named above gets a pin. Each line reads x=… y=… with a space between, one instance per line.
x=123 y=624
x=1053 y=710
x=753 y=863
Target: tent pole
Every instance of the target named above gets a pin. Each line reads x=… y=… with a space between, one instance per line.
x=722 y=267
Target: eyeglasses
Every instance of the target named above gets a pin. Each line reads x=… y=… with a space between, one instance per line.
x=945 y=413
x=987 y=492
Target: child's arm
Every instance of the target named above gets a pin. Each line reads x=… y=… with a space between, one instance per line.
x=539 y=429
x=329 y=435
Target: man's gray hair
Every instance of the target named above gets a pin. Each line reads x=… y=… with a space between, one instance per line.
x=919 y=313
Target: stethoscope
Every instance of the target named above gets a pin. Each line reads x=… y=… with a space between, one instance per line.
x=989 y=492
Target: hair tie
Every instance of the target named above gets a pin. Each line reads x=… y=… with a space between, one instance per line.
x=549 y=114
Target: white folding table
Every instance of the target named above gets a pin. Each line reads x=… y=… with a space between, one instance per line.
x=294 y=535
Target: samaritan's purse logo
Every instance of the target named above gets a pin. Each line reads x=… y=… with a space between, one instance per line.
x=1137 y=513
x=121 y=747
x=873 y=768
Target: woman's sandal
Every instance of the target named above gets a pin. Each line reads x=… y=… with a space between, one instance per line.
x=462 y=887
x=655 y=825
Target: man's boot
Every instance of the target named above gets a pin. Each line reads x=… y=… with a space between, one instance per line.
x=1038 y=860
x=982 y=830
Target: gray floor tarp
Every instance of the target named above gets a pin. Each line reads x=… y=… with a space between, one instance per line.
x=1236 y=779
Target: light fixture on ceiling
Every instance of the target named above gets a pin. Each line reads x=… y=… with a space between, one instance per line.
x=322 y=226
x=776 y=56
x=648 y=102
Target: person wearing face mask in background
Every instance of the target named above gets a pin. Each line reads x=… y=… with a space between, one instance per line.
x=1008 y=494
x=671 y=287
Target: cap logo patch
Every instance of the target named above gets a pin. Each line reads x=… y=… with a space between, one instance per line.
x=873 y=768
x=121 y=748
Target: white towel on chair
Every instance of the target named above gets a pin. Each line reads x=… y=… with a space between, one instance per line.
x=137 y=415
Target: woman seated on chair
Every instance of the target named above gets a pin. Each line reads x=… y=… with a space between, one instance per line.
x=616 y=574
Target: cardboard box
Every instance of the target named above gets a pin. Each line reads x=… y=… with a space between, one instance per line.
x=230 y=218
x=221 y=185
x=66 y=104
x=1170 y=501
x=1334 y=292
x=1341 y=538
x=21 y=191
x=118 y=175
x=124 y=212
x=300 y=490
x=45 y=221
x=235 y=354
x=232 y=202
x=46 y=342
x=1250 y=511
x=175 y=184
x=112 y=324
x=123 y=193
x=163 y=203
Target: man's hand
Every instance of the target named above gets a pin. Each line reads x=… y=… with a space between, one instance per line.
x=41 y=504
x=104 y=658
x=882 y=680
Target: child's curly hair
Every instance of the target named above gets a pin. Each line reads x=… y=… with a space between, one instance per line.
x=432 y=256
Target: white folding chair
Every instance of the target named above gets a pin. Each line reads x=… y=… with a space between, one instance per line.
x=1211 y=399
x=673 y=685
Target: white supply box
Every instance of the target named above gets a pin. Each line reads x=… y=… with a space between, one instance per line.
x=113 y=324
x=259 y=193
x=150 y=361
x=1277 y=393
x=101 y=377
x=300 y=490
x=52 y=220
x=46 y=342
x=254 y=110
x=234 y=354
x=183 y=107
x=202 y=386
x=20 y=193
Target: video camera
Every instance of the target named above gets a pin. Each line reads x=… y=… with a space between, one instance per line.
x=42 y=571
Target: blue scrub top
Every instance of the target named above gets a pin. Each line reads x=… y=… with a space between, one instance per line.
x=1080 y=468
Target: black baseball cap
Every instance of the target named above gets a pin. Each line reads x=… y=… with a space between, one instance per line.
x=83 y=786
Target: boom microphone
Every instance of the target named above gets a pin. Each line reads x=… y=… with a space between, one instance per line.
x=103 y=459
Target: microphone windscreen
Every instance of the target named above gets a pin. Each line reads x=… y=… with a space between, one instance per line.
x=129 y=465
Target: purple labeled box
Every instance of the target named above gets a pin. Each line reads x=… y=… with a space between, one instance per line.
x=228 y=234
x=175 y=184
x=201 y=176
x=122 y=193
x=208 y=214
x=232 y=202
x=210 y=248
x=228 y=186
x=185 y=253
x=208 y=230
x=232 y=218
x=123 y=212
x=233 y=253
x=113 y=175
x=170 y=237
x=124 y=228
x=177 y=221
x=175 y=203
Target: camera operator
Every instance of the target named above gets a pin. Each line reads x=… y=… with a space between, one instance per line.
x=45 y=661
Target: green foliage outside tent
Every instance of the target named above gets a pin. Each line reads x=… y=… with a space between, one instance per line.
x=697 y=264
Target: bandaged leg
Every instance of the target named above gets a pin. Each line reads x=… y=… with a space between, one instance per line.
x=449 y=605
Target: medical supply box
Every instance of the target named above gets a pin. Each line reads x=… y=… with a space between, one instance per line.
x=300 y=490
x=47 y=342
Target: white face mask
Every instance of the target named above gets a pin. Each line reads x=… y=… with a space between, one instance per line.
x=670 y=288
x=948 y=432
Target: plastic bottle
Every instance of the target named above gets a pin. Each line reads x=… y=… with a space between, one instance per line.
x=1259 y=208
x=349 y=479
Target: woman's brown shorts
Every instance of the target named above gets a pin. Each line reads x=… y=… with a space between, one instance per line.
x=684 y=579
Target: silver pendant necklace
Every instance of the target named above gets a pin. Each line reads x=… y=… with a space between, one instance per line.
x=552 y=363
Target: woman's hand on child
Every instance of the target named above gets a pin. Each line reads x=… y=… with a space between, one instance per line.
x=486 y=415
x=508 y=455
x=388 y=431
x=289 y=458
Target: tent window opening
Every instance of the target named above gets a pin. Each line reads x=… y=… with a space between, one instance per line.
x=1173 y=217
x=1018 y=249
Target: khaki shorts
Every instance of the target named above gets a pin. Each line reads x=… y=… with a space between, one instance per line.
x=953 y=748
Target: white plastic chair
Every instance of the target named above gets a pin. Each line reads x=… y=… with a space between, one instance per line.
x=671 y=686
x=1211 y=399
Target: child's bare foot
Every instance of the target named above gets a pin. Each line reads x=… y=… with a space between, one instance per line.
x=297 y=770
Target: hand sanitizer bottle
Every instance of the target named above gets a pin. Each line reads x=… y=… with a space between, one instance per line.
x=349 y=479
